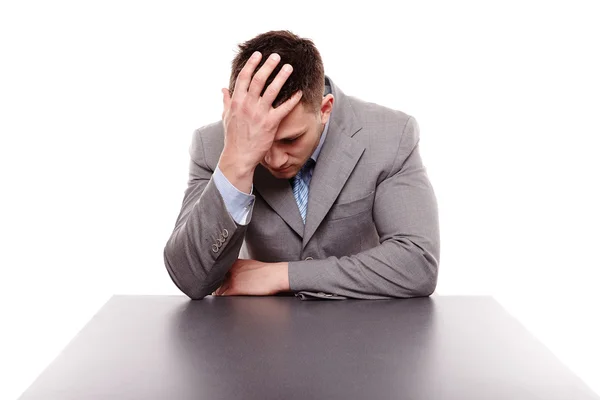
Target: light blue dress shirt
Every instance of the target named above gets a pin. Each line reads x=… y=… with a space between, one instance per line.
x=240 y=204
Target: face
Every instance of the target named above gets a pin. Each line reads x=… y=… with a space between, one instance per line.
x=296 y=139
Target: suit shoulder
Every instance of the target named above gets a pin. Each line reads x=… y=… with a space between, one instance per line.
x=384 y=129
x=207 y=143
x=388 y=135
x=373 y=114
x=209 y=132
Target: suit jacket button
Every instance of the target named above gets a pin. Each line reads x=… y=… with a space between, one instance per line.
x=308 y=259
x=215 y=248
x=225 y=233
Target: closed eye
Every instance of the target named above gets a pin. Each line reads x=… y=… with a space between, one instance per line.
x=292 y=140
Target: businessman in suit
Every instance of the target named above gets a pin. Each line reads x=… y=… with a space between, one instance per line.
x=301 y=189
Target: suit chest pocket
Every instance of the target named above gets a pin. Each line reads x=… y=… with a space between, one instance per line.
x=352 y=208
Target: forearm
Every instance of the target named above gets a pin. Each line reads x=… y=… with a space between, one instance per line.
x=405 y=262
x=204 y=244
x=394 y=269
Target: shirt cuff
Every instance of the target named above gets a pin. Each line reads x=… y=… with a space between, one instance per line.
x=239 y=204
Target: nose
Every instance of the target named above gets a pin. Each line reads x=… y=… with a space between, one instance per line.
x=276 y=158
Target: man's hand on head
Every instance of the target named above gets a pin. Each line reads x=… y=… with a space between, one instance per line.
x=249 y=120
x=254 y=278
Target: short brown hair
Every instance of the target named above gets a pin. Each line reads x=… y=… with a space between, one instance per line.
x=308 y=74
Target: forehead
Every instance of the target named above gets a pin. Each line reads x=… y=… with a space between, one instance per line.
x=297 y=121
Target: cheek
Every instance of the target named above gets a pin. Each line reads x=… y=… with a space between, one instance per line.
x=294 y=151
x=300 y=153
x=308 y=145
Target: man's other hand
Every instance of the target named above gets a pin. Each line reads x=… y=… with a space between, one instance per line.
x=254 y=278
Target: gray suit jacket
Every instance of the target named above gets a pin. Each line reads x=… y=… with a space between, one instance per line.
x=372 y=222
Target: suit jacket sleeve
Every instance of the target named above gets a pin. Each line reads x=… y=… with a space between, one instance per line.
x=206 y=240
x=405 y=263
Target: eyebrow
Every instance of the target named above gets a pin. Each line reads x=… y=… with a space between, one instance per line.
x=293 y=135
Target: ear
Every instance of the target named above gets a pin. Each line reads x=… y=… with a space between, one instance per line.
x=326 y=107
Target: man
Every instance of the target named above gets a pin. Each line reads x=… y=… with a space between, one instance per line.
x=294 y=191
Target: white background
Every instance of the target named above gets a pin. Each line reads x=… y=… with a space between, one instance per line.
x=98 y=102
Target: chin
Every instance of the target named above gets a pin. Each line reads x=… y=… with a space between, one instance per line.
x=285 y=174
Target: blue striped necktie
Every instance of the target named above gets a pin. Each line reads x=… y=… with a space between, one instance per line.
x=300 y=187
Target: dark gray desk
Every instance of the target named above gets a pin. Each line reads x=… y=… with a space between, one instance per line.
x=167 y=347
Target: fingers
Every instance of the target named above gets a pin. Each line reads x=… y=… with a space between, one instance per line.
x=285 y=108
x=225 y=284
x=252 y=86
x=273 y=90
x=261 y=76
x=243 y=79
x=220 y=290
x=223 y=291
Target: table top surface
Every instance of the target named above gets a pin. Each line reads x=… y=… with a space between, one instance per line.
x=441 y=347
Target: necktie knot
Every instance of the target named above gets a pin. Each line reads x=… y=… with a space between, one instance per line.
x=305 y=171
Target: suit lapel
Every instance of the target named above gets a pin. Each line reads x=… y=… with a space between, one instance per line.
x=279 y=195
x=337 y=160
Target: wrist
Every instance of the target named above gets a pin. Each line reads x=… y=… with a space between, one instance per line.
x=237 y=173
x=284 y=281
x=240 y=159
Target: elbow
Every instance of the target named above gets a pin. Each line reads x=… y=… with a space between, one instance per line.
x=428 y=282
x=182 y=276
x=425 y=288
x=421 y=279
x=417 y=266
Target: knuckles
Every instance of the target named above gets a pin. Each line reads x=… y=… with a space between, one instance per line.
x=246 y=109
x=272 y=92
x=259 y=80
x=244 y=74
x=235 y=105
